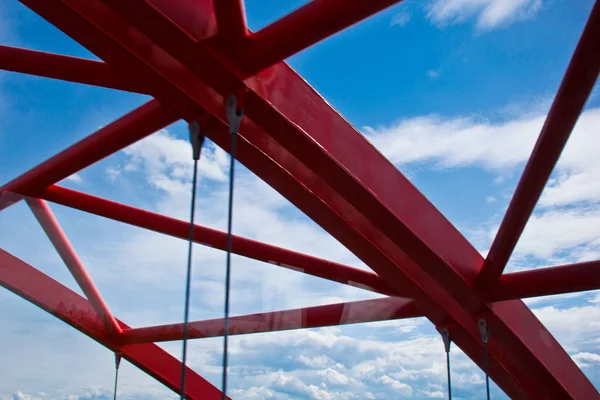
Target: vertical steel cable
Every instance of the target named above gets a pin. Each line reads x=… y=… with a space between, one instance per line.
x=483 y=331
x=117 y=363
x=485 y=367
x=196 y=139
x=446 y=337
x=234 y=117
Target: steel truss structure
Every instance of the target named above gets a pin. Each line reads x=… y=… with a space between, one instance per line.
x=190 y=55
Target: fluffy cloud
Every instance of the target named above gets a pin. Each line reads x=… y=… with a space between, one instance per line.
x=587 y=360
x=488 y=13
x=371 y=361
x=570 y=203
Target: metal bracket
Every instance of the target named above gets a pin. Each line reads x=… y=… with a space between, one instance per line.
x=234 y=115
x=117 y=360
x=196 y=138
x=483 y=330
x=446 y=338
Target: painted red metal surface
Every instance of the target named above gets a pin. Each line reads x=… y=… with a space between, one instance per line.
x=128 y=129
x=66 y=68
x=211 y=237
x=389 y=308
x=303 y=148
x=576 y=86
x=67 y=253
x=304 y=27
x=433 y=250
x=46 y=293
x=517 y=285
x=547 y=281
x=231 y=23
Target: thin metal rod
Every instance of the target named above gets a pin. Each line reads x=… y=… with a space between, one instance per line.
x=117 y=363
x=485 y=368
x=188 y=280
x=449 y=381
x=116 y=380
x=228 y=262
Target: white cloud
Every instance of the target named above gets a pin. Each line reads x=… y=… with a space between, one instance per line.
x=75 y=178
x=576 y=327
x=400 y=19
x=574 y=230
x=334 y=377
x=490 y=199
x=586 y=360
x=570 y=203
x=433 y=74
x=489 y=14
x=112 y=173
x=401 y=388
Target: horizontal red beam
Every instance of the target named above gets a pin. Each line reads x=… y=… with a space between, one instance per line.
x=389 y=308
x=67 y=253
x=547 y=281
x=53 y=297
x=304 y=27
x=139 y=123
x=65 y=68
x=533 y=283
x=211 y=237
x=572 y=95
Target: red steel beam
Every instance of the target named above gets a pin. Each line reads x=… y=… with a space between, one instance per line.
x=424 y=253
x=61 y=243
x=231 y=22
x=572 y=95
x=527 y=364
x=66 y=68
x=211 y=237
x=51 y=296
x=548 y=281
x=389 y=308
x=128 y=129
x=304 y=27
x=512 y=286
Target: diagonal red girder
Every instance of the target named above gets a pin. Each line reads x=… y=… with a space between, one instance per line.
x=417 y=251
x=59 y=240
x=46 y=293
x=128 y=129
x=66 y=68
x=576 y=87
x=517 y=285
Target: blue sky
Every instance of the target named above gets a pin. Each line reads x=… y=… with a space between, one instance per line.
x=453 y=92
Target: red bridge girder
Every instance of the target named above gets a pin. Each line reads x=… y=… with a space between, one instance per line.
x=190 y=56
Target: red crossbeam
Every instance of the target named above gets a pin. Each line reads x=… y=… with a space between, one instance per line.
x=574 y=91
x=517 y=285
x=389 y=308
x=67 y=253
x=211 y=237
x=299 y=145
x=44 y=292
x=128 y=129
x=66 y=68
x=304 y=27
x=423 y=256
